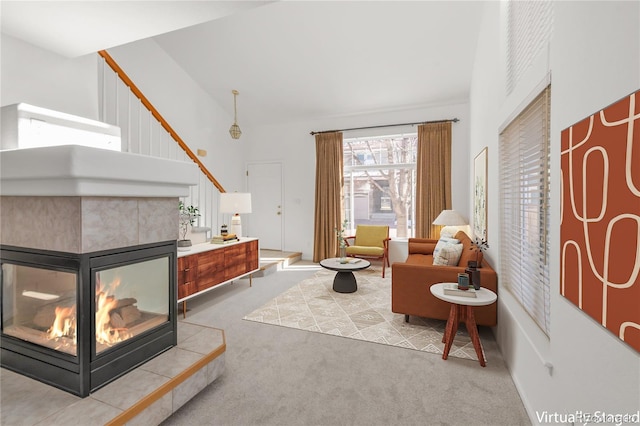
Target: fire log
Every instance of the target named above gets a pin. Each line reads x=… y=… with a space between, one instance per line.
x=130 y=314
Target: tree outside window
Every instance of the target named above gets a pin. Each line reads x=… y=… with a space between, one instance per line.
x=379 y=182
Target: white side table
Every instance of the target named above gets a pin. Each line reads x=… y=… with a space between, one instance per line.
x=398 y=249
x=462 y=310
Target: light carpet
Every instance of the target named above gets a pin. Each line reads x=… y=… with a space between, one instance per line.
x=312 y=305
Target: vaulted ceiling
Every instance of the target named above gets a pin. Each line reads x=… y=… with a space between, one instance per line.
x=290 y=60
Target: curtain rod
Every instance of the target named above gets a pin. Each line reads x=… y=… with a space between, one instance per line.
x=455 y=120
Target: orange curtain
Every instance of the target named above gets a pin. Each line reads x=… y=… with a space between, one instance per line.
x=433 y=177
x=329 y=182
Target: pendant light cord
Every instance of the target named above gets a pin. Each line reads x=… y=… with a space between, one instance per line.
x=235 y=112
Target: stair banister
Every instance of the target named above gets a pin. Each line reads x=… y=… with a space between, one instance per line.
x=165 y=125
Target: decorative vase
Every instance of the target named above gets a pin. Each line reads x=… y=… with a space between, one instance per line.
x=343 y=254
x=463 y=282
x=474 y=275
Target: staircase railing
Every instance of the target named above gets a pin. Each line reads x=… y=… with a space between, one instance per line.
x=140 y=121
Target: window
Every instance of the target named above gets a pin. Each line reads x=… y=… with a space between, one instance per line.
x=379 y=182
x=529 y=25
x=524 y=198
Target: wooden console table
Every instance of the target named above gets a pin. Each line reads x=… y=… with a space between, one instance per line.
x=208 y=265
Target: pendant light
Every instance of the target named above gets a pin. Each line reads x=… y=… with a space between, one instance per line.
x=235 y=131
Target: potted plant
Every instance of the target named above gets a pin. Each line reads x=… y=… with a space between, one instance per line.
x=479 y=246
x=187 y=216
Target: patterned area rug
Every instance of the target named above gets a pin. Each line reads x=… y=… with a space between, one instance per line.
x=312 y=305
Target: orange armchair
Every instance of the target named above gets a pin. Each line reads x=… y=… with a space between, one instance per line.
x=370 y=242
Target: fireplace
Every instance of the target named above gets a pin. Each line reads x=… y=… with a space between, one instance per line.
x=87 y=250
x=79 y=321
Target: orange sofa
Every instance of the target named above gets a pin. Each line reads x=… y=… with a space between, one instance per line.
x=411 y=279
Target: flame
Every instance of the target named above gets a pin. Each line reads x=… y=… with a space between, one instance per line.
x=105 y=303
x=65 y=323
x=63 y=328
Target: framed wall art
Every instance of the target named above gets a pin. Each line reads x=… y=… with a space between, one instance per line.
x=480 y=195
x=600 y=227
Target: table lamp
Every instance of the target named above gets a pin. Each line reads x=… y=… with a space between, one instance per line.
x=451 y=220
x=235 y=203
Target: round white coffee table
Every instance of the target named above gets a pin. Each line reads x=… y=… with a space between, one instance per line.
x=462 y=310
x=345 y=281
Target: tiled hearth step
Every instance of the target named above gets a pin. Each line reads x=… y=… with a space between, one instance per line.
x=147 y=395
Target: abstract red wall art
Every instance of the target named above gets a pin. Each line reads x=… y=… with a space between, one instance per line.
x=600 y=211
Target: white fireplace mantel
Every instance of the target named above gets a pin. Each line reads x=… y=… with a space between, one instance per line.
x=74 y=170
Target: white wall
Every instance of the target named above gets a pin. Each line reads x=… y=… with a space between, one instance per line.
x=293 y=146
x=594 y=60
x=193 y=114
x=42 y=78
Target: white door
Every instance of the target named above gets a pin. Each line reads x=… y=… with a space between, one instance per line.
x=264 y=182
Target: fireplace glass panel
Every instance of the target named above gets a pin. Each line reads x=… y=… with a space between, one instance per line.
x=130 y=300
x=39 y=305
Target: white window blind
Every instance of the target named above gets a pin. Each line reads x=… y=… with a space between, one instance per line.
x=524 y=199
x=528 y=32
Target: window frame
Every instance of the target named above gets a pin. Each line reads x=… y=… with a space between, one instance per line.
x=524 y=151
x=348 y=173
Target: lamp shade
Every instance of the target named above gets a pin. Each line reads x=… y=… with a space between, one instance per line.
x=450 y=218
x=235 y=202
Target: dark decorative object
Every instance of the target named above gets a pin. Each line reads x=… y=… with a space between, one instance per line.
x=463 y=281
x=474 y=276
x=479 y=245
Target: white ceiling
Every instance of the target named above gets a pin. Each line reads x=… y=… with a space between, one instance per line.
x=76 y=28
x=290 y=60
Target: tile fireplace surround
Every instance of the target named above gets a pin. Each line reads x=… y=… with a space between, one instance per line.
x=82 y=200
x=78 y=199
x=144 y=396
x=86 y=224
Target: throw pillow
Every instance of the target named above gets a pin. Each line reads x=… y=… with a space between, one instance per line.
x=448 y=255
x=449 y=231
x=443 y=241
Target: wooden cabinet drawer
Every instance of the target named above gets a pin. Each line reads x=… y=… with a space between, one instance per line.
x=210 y=279
x=235 y=253
x=232 y=271
x=187 y=269
x=252 y=263
x=186 y=289
x=252 y=246
x=200 y=271
x=253 y=256
x=210 y=269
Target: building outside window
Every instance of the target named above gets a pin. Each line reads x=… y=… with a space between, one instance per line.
x=379 y=182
